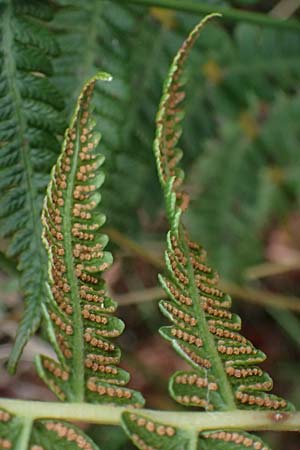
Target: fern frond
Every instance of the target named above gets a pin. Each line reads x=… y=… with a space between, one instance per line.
x=30 y=109
x=196 y=302
x=79 y=307
x=224 y=371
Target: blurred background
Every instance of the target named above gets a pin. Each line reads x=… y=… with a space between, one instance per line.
x=242 y=160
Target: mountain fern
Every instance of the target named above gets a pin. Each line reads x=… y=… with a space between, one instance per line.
x=78 y=312
x=224 y=373
x=30 y=109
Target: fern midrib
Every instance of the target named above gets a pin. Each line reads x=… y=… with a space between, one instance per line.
x=31 y=193
x=193 y=441
x=208 y=339
x=77 y=322
x=25 y=434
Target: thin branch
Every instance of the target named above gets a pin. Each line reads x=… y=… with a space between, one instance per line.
x=229 y=14
x=111 y=415
x=269 y=269
x=258 y=296
x=24 y=437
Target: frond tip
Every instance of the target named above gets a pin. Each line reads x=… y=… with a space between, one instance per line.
x=168 y=127
x=79 y=315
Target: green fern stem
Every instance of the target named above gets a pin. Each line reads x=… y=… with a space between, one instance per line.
x=78 y=348
x=111 y=415
x=217 y=364
x=24 y=438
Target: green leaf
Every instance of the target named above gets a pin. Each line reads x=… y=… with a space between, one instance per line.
x=236 y=440
x=224 y=374
x=204 y=330
x=53 y=434
x=30 y=113
x=10 y=430
x=149 y=434
x=80 y=321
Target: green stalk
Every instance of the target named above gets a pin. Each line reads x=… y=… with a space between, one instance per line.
x=24 y=438
x=78 y=341
x=191 y=421
x=230 y=14
x=218 y=370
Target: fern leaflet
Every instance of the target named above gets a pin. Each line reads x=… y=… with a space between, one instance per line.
x=224 y=371
x=30 y=109
x=79 y=307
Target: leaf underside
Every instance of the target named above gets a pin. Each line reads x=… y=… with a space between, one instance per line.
x=80 y=319
x=224 y=371
x=30 y=108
